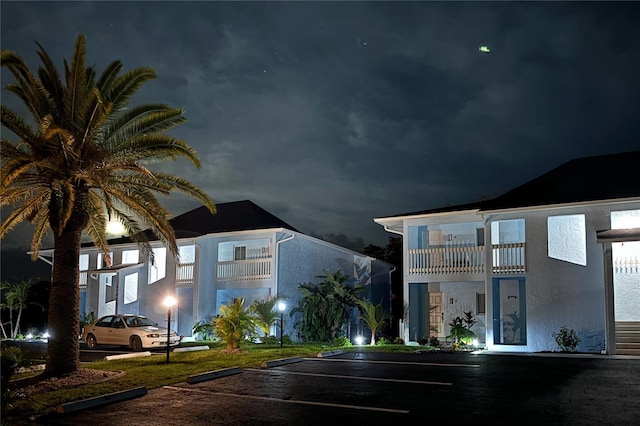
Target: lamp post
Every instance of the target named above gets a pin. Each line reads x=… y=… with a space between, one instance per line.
x=281 y=307
x=169 y=302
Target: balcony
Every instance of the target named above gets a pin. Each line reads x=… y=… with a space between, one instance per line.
x=465 y=260
x=447 y=260
x=244 y=270
x=184 y=274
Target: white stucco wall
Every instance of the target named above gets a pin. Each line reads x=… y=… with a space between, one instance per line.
x=560 y=293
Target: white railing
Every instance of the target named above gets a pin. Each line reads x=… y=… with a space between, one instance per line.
x=509 y=258
x=184 y=274
x=626 y=264
x=447 y=260
x=244 y=270
x=83 y=280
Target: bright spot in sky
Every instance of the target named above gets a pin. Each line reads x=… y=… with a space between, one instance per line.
x=484 y=49
x=115 y=227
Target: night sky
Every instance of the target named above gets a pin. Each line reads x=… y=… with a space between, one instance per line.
x=329 y=114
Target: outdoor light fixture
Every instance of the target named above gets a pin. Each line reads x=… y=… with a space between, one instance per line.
x=169 y=302
x=281 y=307
x=359 y=340
x=115 y=227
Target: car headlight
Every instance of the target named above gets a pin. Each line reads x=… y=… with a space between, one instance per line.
x=153 y=335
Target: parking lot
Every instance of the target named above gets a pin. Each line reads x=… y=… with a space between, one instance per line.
x=376 y=388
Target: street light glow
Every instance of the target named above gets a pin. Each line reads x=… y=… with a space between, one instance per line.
x=282 y=306
x=169 y=301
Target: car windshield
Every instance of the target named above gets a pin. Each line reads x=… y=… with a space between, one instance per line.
x=140 y=322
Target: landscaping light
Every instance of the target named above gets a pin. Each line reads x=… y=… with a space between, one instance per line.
x=281 y=307
x=45 y=335
x=359 y=340
x=169 y=302
x=475 y=343
x=29 y=336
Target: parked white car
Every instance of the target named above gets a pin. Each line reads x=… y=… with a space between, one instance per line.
x=136 y=331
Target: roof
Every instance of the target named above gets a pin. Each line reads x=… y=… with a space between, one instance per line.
x=586 y=179
x=597 y=178
x=234 y=216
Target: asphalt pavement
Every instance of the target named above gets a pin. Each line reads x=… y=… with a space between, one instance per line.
x=377 y=388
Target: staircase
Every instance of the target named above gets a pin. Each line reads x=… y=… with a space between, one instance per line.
x=628 y=338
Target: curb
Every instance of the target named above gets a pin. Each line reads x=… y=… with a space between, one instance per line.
x=282 y=361
x=101 y=400
x=192 y=348
x=329 y=353
x=197 y=378
x=122 y=356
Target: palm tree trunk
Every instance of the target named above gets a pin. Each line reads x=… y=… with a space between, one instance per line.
x=16 y=330
x=63 y=352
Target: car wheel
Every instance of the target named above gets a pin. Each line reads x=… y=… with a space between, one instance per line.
x=91 y=341
x=136 y=343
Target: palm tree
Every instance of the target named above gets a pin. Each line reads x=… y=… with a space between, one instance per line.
x=374 y=316
x=264 y=314
x=83 y=160
x=15 y=297
x=233 y=324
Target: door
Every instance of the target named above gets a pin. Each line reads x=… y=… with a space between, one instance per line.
x=436 y=315
x=509 y=311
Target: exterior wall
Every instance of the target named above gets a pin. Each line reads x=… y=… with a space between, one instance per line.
x=460 y=297
x=302 y=259
x=464 y=223
x=294 y=261
x=559 y=293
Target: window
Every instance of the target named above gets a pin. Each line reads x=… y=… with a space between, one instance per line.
x=239 y=252
x=102 y=261
x=131 y=288
x=187 y=254
x=481 y=304
x=130 y=256
x=157 y=264
x=106 y=322
x=84 y=262
x=567 y=238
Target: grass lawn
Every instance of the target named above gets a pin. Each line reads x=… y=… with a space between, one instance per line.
x=153 y=371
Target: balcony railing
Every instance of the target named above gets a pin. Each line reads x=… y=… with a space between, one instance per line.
x=244 y=270
x=626 y=264
x=456 y=260
x=447 y=260
x=184 y=274
x=509 y=258
x=83 y=280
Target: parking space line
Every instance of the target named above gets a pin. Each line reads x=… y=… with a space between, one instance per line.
x=427 y=364
x=290 y=401
x=336 y=376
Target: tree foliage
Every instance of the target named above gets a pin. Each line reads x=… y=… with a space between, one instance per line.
x=82 y=158
x=15 y=298
x=326 y=306
x=264 y=314
x=234 y=323
x=374 y=316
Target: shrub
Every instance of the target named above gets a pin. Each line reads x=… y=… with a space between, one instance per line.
x=11 y=358
x=341 y=341
x=567 y=339
x=383 y=341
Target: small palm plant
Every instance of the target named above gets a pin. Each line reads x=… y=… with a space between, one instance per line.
x=374 y=316
x=233 y=324
x=264 y=314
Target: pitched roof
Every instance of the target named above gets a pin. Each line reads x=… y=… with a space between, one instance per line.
x=235 y=216
x=597 y=178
